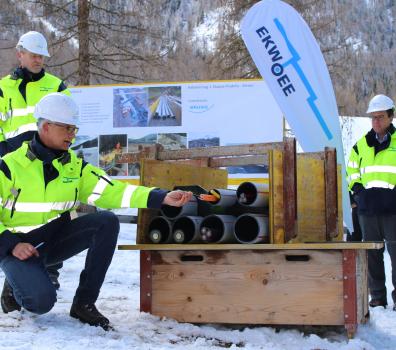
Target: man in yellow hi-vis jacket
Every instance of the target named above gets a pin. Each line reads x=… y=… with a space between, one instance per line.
x=39 y=184
x=372 y=180
x=21 y=90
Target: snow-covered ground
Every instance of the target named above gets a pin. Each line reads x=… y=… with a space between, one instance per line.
x=119 y=300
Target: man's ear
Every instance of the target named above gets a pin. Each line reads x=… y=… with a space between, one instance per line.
x=45 y=126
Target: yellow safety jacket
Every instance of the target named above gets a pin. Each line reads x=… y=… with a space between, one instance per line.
x=28 y=201
x=371 y=173
x=19 y=93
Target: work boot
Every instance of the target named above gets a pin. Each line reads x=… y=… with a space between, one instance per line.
x=54 y=281
x=378 y=302
x=53 y=273
x=88 y=313
x=8 y=302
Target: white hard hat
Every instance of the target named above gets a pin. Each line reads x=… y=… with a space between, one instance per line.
x=34 y=42
x=57 y=107
x=380 y=103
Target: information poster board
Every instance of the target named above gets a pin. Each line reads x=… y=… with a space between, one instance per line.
x=118 y=118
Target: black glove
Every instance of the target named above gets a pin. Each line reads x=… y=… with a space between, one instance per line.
x=357 y=189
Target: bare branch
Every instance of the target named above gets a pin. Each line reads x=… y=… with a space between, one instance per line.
x=62 y=63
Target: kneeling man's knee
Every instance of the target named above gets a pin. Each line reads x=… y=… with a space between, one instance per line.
x=41 y=302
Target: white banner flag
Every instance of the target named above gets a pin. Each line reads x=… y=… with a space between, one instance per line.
x=291 y=63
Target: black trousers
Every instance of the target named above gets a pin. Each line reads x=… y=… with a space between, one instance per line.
x=29 y=278
x=380 y=228
x=356 y=235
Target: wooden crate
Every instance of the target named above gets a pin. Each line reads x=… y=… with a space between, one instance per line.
x=288 y=281
x=269 y=284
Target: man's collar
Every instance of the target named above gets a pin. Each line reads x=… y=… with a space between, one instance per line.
x=26 y=74
x=372 y=139
x=383 y=139
x=42 y=152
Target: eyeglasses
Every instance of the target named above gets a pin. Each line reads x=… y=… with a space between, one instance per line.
x=380 y=118
x=69 y=128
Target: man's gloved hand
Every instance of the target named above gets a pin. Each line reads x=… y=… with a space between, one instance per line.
x=357 y=189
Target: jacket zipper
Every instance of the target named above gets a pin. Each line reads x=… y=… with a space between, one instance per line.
x=10 y=108
x=75 y=198
x=14 y=202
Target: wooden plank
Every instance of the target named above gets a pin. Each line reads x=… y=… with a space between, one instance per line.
x=249 y=149
x=200 y=162
x=312 y=155
x=290 y=188
x=253 y=247
x=256 y=257
x=216 y=162
x=259 y=288
x=276 y=204
x=160 y=154
x=311 y=222
x=331 y=189
x=167 y=175
x=361 y=286
x=145 y=152
x=340 y=224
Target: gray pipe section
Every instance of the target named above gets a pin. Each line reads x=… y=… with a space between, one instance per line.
x=186 y=229
x=160 y=230
x=172 y=213
x=218 y=229
x=252 y=228
x=253 y=194
x=227 y=197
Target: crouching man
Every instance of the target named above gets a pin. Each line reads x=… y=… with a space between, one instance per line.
x=40 y=183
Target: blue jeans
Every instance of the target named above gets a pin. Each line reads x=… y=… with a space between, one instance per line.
x=29 y=278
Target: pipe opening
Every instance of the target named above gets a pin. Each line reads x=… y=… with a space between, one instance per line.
x=246 y=193
x=212 y=229
x=246 y=229
x=159 y=230
x=183 y=230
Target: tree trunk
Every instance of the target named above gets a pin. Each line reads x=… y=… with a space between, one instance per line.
x=83 y=50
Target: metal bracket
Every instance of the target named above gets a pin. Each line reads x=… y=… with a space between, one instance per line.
x=146 y=285
x=349 y=295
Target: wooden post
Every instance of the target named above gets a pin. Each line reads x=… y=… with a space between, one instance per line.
x=331 y=200
x=290 y=188
x=350 y=292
